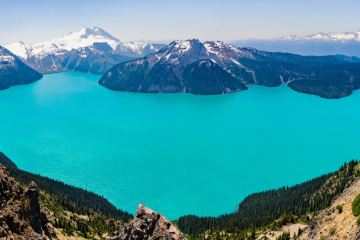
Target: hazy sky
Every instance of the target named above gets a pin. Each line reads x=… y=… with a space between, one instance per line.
x=39 y=20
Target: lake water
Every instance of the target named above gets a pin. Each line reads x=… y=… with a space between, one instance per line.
x=176 y=153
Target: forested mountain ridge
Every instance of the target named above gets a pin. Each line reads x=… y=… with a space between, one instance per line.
x=217 y=68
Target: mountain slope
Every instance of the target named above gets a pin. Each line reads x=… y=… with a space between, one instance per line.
x=13 y=71
x=95 y=59
x=316 y=44
x=87 y=50
x=174 y=69
x=343 y=223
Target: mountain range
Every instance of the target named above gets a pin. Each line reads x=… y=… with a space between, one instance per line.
x=321 y=44
x=211 y=67
x=216 y=68
x=91 y=49
x=13 y=71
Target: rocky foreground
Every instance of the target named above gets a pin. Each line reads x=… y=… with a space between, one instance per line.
x=20 y=214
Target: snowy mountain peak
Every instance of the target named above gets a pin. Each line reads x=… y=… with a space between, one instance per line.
x=85 y=37
x=20 y=49
x=98 y=44
x=183 y=52
x=86 y=32
x=185 y=45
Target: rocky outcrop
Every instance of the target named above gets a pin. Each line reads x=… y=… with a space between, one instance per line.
x=331 y=223
x=20 y=215
x=150 y=225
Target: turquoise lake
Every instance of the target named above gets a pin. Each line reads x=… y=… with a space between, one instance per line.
x=176 y=153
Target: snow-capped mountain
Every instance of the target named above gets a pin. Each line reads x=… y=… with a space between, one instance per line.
x=13 y=71
x=316 y=44
x=217 y=68
x=182 y=66
x=326 y=37
x=48 y=56
x=83 y=38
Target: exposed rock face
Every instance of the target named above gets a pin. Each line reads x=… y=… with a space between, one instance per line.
x=148 y=224
x=343 y=224
x=20 y=216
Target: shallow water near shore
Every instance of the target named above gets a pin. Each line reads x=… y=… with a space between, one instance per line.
x=176 y=153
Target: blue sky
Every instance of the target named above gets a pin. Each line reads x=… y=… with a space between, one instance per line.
x=129 y=20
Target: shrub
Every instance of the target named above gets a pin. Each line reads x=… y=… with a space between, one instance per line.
x=358 y=221
x=332 y=231
x=355 y=206
x=339 y=208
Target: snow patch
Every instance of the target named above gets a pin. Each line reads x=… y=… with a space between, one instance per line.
x=20 y=49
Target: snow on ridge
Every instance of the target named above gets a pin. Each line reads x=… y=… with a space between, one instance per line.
x=222 y=50
x=331 y=36
x=19 y=49
x=83 y=38
x=184 y=45
x=4 y=56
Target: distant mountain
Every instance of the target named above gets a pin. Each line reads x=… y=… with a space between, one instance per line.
x=13 y=71
x=88 y=50
x=317 y=44
x=216 y=68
